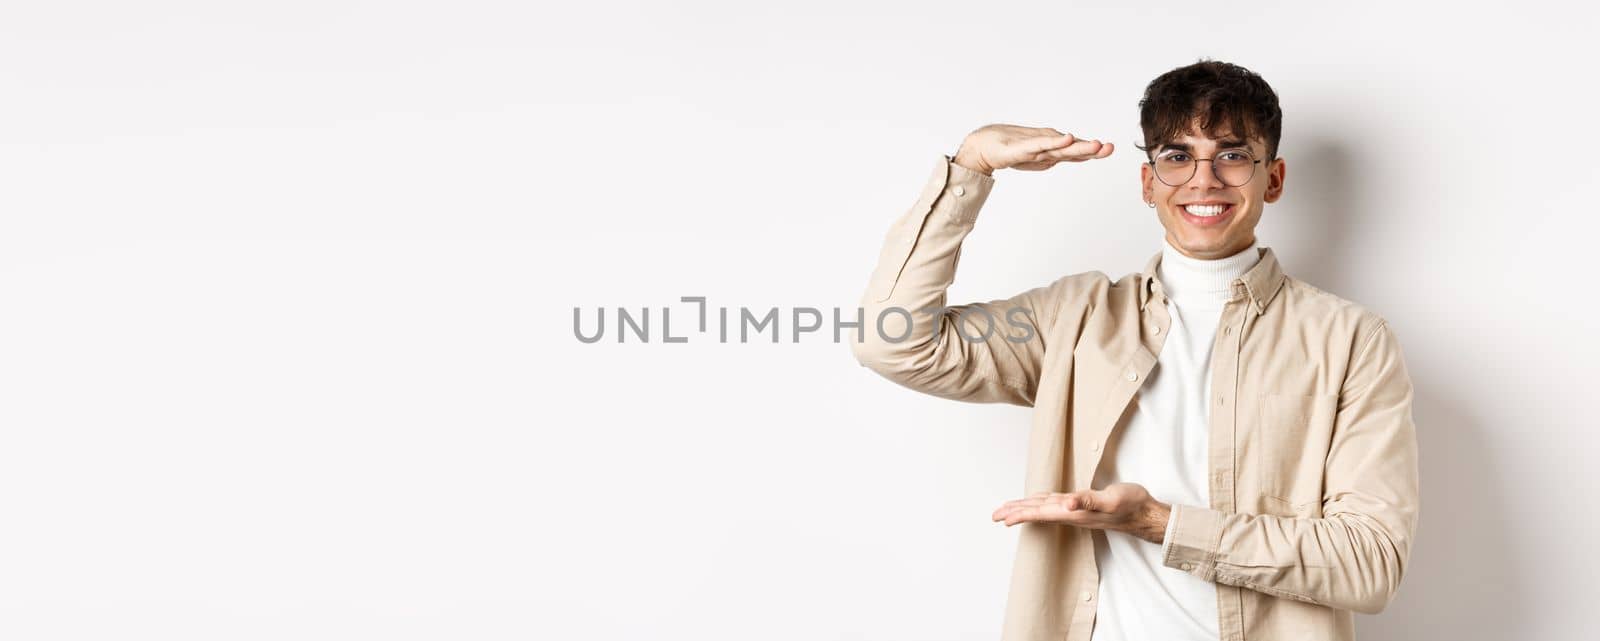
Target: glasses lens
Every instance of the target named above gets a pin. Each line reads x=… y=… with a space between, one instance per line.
x=1174 y=169
x=1234 y=167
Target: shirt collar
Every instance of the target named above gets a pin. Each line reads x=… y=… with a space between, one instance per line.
x=1261 y=283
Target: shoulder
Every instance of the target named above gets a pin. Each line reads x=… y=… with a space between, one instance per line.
x=1333 y=313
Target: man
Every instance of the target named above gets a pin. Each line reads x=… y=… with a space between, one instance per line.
x=1218 y=450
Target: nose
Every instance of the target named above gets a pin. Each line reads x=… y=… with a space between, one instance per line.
x=1205 y=177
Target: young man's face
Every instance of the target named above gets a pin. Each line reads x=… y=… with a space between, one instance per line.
x=1222 y=234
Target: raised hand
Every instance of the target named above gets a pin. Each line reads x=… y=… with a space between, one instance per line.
x=999 y=146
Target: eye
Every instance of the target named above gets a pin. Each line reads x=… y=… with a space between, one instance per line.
x=1234 y=156
x=1175 y=157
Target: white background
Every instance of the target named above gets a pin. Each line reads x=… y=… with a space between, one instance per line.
x=286 y=294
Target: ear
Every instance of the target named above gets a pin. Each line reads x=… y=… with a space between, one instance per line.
x=1148 y=191
x=1275 y=180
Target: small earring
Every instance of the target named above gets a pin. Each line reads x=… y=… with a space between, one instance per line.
x=1150 y=203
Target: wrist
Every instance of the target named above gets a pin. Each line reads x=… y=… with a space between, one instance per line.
x=968 y=160
x=1153 y=524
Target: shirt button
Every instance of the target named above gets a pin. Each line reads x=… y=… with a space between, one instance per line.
x=1095 y=446
x=961 y=191
x=1186 y=567
x=1227 y=330
x=1155 y=330
x=1219 y=400
x=1132 y=375
x=1087 y=595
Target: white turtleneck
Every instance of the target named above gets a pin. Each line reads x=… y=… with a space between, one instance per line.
x=1162 y=444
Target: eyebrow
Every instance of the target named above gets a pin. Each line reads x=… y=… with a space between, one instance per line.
x=1224 y=144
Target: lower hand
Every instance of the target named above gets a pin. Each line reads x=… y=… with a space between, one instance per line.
x=1123 y=507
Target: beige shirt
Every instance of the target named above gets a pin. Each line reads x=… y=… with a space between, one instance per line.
x=1163 y=444
x=1314 y=488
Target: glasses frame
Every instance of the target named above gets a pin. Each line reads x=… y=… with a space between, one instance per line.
x=1195 y=169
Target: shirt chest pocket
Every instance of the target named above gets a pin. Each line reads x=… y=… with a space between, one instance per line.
x=1292 y=435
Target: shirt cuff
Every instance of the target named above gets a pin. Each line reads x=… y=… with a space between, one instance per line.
x=1193 y=535
x=963 y=193
x=941 y=217
x=1166 y=538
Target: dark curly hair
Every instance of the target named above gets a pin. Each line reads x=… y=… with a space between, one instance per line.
x=1223 y=97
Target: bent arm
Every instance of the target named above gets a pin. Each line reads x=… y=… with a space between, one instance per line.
x=982 y=352
x=1354 y=556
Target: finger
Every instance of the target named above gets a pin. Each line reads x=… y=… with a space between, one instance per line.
x=1095 y=501
x=1101 y=153
x=1043 y=508
x=1021 y=516
x=1036 y=166
x=1036 y=500
x=1010 y=507
x=1047 y=143
x=1032 y=502
x=1031 y=499
x=1079 y=149
x=1080 y=501
x=1077 y=518
x=1051 y=513
x=1058 y=155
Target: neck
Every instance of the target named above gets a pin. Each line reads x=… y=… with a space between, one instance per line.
x=1186 y=277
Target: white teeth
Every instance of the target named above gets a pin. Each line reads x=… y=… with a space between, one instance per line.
x=1204 y=210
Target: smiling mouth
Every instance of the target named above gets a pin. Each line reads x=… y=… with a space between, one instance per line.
x=1206 y=214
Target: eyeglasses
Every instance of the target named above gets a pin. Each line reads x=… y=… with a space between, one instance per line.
x=1233 y=167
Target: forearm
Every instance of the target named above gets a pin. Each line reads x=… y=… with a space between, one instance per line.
x=1348 y=561
x=1353 y=553
x=979 y=352
x=1151 y=522
x=917 y=264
